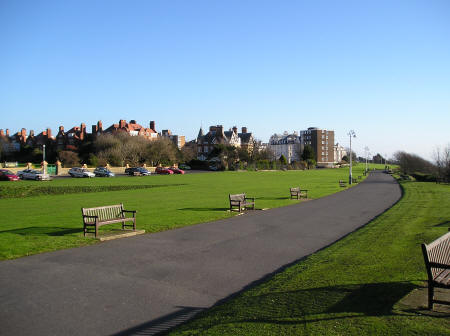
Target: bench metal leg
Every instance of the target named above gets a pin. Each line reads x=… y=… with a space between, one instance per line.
x=430 y=296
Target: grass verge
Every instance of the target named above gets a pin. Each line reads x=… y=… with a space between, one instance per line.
x=354 y=287
x=46 y=216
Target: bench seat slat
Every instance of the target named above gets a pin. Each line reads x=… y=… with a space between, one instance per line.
x=443 y=278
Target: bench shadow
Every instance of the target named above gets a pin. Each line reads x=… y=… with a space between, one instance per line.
x=203 y=209
x=43 y=231
x=292 y=307
x=445 y=224
x=162 y=324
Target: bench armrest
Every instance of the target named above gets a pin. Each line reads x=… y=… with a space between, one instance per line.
x=130 y=211
x=89 y=216
x=438 y=265
x=250 y=198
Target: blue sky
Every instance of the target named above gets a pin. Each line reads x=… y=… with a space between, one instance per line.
x=381 y=68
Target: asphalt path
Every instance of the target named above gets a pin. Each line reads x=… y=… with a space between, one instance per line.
x=149 y=283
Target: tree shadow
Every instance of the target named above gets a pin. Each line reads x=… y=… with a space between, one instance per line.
x=43 y=231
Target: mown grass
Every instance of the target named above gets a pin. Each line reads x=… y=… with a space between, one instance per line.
x=46 y=216
x=350 y=288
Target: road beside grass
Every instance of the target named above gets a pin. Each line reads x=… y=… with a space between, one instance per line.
x=360 y=285
x=147 y=283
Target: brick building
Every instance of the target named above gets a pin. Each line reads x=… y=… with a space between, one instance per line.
x=322 y=142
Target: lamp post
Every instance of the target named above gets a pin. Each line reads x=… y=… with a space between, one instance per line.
x=367 y=157
x=351 y=134
x=43 y=158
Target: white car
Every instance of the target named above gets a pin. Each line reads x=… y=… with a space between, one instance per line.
x=31 y=174
x=80 y=172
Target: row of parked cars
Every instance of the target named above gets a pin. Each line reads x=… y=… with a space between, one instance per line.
x=32 y=174
x=134 y=171
x=26 y=174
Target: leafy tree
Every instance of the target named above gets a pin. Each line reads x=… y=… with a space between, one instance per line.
x=308 y=153
x=68 y=159
x=283 y=160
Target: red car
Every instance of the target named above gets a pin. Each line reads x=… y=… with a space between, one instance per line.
x=163 y=171
x=7 y=175
x=176 y=170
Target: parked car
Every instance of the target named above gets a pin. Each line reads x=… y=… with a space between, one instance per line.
x=80 y=172
x=31 y=174
x=103 y=172
x=176 y=170
x=184 y=166
x=137 y=171
x=163 y=171
x=7 y=175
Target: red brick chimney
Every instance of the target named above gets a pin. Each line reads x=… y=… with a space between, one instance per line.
x=99 y=126
x=152 y=125
x=7 y=132
x=2 y=133
x=122 y=123
x=244 y=130
x=49 y=133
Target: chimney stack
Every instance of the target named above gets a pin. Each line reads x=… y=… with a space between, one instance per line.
x=7 y=132
x=31 y=133
x=49 y=133
x=23 y=132
x=235 y=129
x=99 y=126
x=122 y=123
x=61 y=129
x=2 y=133
x=152 y=125
x=244 y=130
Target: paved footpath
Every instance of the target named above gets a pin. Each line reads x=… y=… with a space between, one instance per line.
x=145 y=284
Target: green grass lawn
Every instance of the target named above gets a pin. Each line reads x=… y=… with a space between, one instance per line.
x=354 y=287
x=46 y=216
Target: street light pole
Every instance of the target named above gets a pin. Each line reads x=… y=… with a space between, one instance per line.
x=351 y=134
x=43 y=158
x=367 y=157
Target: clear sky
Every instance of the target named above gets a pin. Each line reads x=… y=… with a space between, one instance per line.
x=381 y=68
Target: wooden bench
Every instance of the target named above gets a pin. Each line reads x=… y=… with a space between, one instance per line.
x=241 y=202
x=437 y=262
x=93 y=218
x=298 y=193
x=342 y=183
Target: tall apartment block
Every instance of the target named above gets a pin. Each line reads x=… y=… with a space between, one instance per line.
x=322 y=142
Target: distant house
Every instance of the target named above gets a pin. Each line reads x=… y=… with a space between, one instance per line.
x=178 y=140
x=134 y=129
x=286 y=144
x=217 y=135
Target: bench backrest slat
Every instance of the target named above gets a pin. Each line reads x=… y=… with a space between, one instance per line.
x=237 y=197
x=438 y=251
x=105 y=212
x=296 y=189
